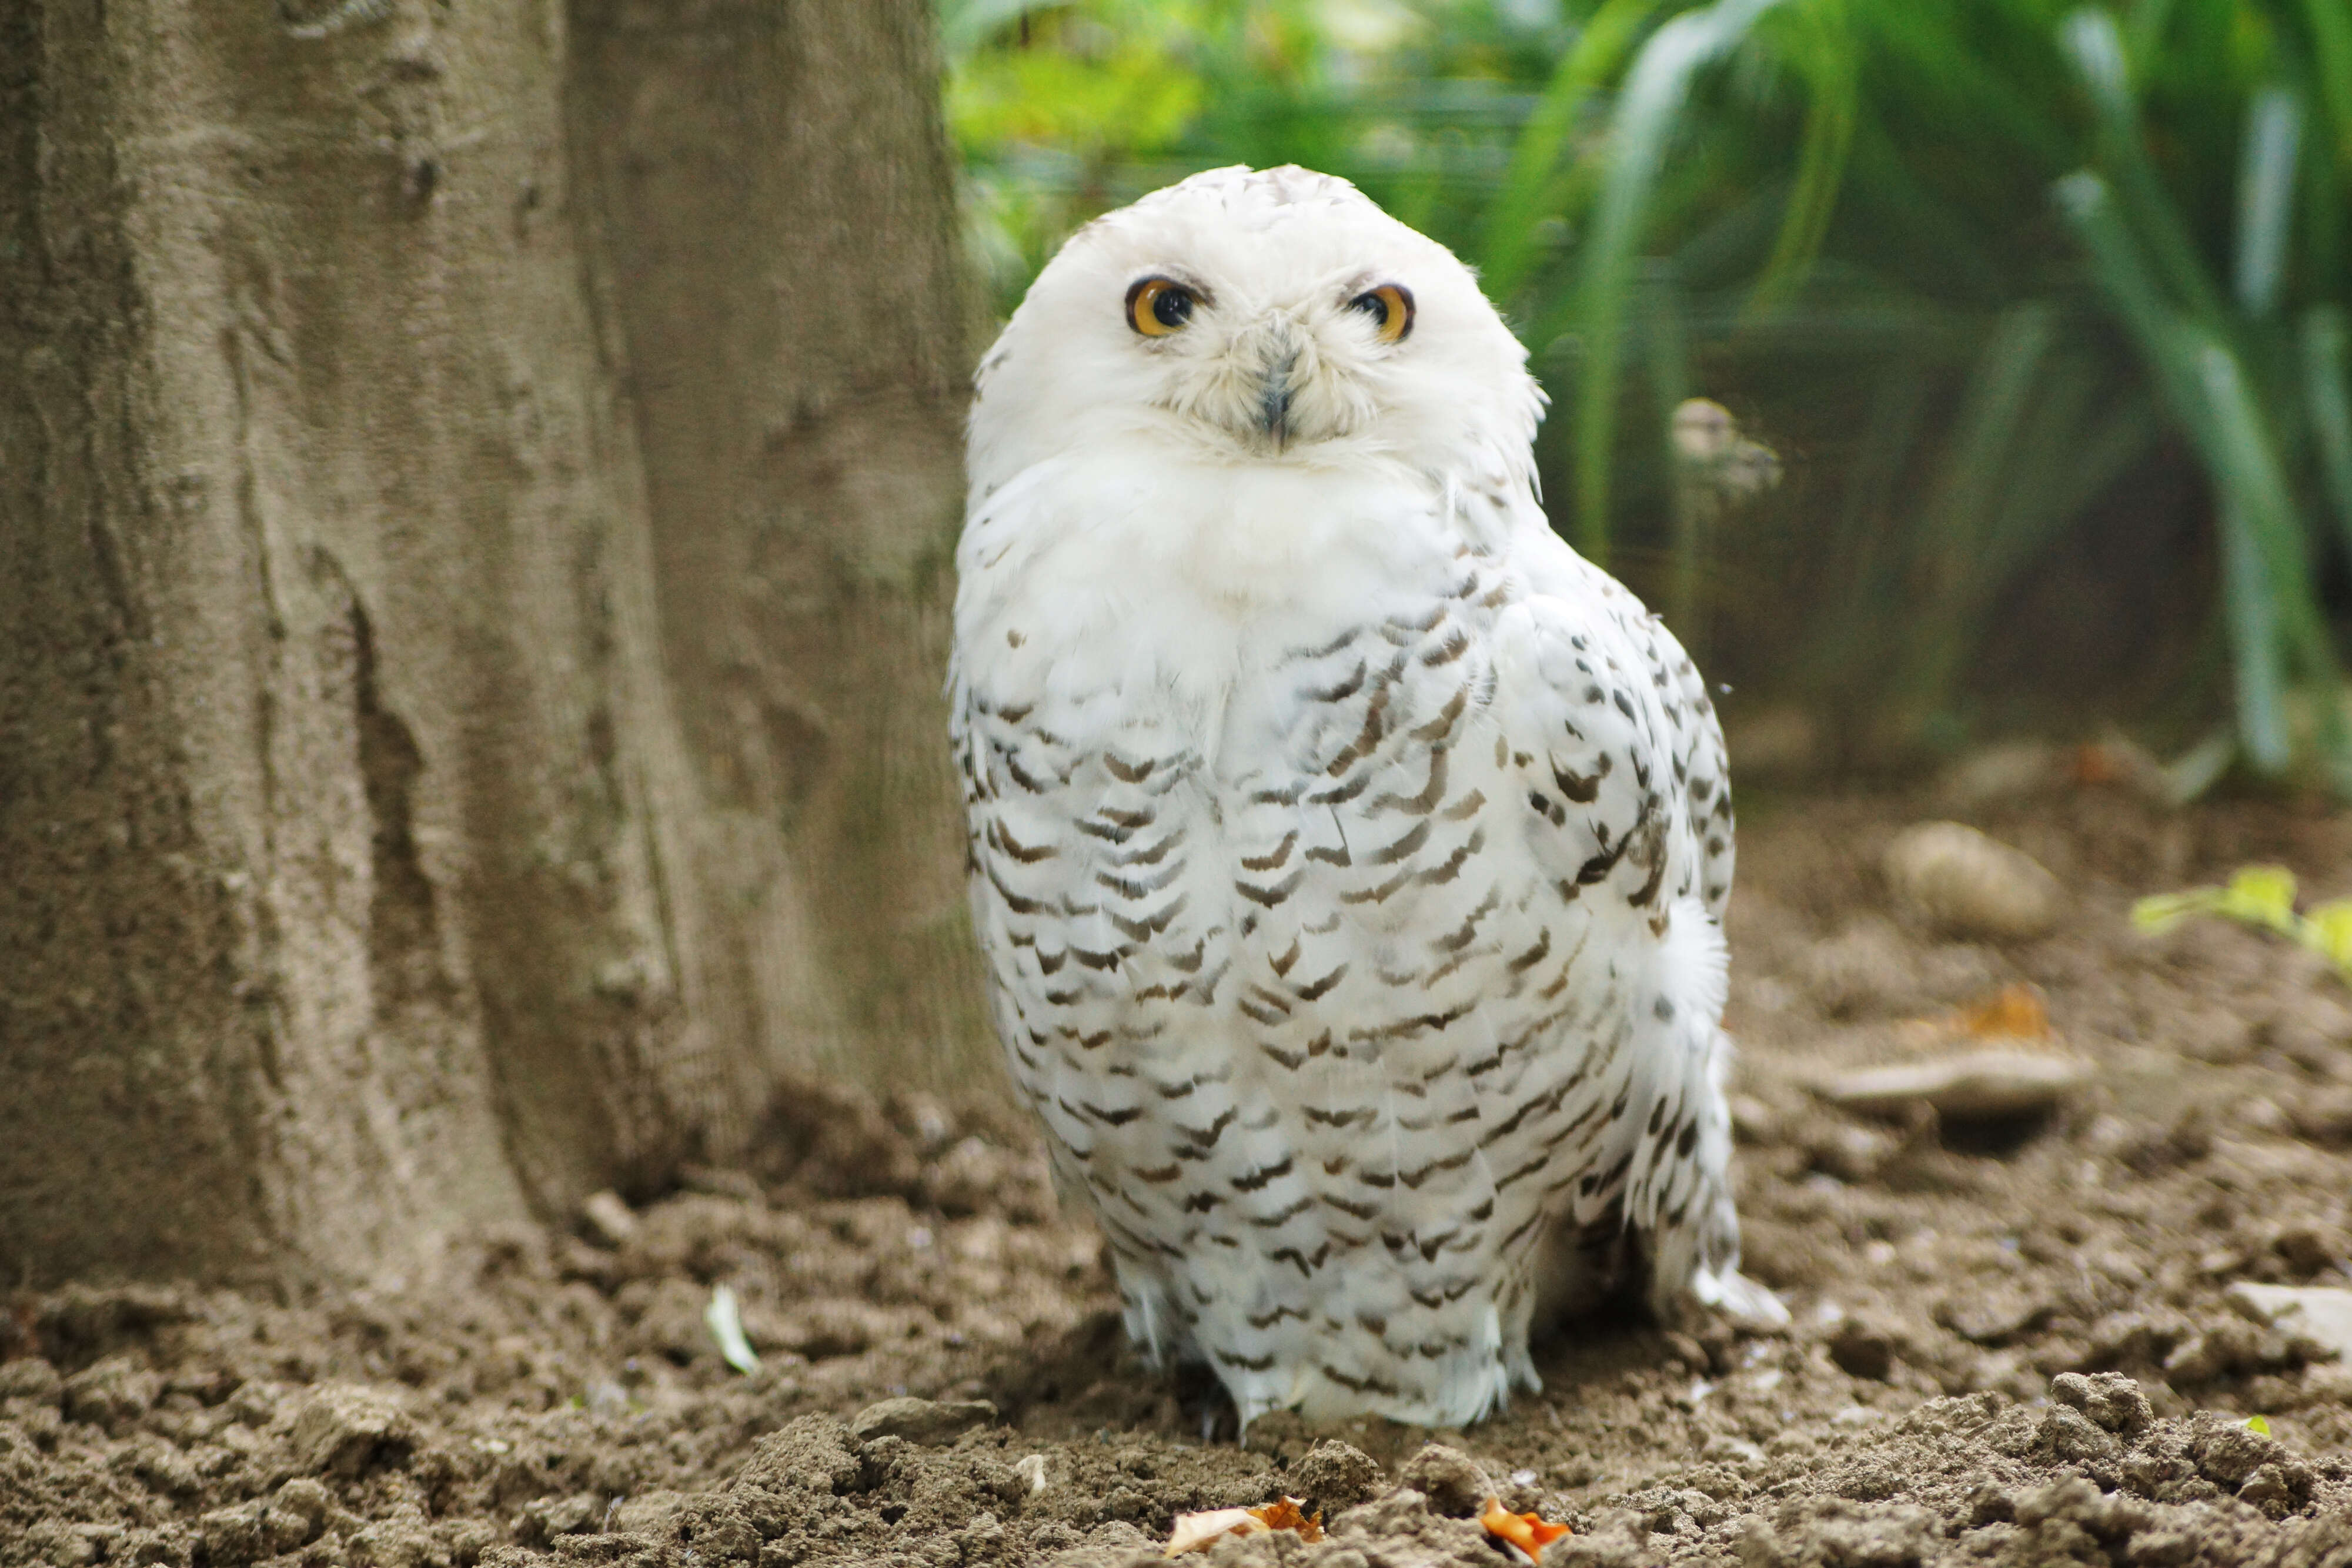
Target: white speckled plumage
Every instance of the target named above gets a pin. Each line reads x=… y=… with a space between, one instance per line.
x=1348 y=853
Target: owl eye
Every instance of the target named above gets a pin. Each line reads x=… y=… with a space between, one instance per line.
x=1390 y=307
x=1157 y=307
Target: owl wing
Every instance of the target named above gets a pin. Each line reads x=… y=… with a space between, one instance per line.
x=1609 y=725
x=1611 y=721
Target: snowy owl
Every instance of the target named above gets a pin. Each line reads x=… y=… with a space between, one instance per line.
x=1347 y=852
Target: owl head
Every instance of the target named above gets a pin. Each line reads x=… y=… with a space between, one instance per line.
x=1271 y=315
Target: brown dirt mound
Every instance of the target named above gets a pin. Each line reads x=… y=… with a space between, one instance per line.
x=2013 y=1344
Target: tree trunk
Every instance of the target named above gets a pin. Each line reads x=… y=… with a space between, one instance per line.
x=775 y=202
x=381 y=857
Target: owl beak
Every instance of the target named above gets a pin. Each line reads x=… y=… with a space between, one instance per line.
x=1273 y=400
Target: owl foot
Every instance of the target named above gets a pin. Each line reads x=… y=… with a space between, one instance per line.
x=1742 y=1300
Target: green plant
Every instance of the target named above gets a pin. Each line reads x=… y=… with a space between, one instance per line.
x=2130 y=125
x=1989 y=266
x=2261 y=895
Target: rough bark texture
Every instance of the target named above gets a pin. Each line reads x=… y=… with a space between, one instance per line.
x=783 y=283
x=362 y=879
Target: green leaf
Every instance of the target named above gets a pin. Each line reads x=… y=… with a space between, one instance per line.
x=2327 y=397
x=2328 y=930
x=2267 y=574
x=2266 y=196
x=1649 y=109
x=1828 y=57
x=2331 y=33
x=2269 y=601
x=2261 y=895
x=2096 y=49
x=2160 y=911
x=1522 y=206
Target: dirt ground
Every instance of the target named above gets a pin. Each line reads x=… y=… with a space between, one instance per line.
x=2013 y=1342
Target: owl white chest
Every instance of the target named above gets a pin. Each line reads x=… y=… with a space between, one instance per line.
x=1271 y=957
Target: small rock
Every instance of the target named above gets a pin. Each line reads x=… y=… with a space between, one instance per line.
x=1450 y=1478
x=1957 y=883
x=1752 y=1121
x=2110 y=1399
x=2321 y=1314
x=346 y=1430
x=233 y=1537
x=59 y=1546
x=30 y=1377
x=926 y=1421
x=112 y=1394
x=549 y=1518
x=2069 y=1498
x=2307 y=1247
x=2323 y=1116
x=610 y=1217
x=258 y=1404
x=1990 y=1504
x=2230 y=1452
x=1992 y=1319
x=647 y=1512
x=1853 y=1154
x=1333 y=1475
x=2268 y=1489
x=1976 y=1085
x=2215 y=1351
x=1863 y=1347
x=298 y=1512
x=2069 y=1437
x=1723 y=1449
x=963 y=1179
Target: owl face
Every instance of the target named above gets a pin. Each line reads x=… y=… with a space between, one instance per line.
x=1269 y=316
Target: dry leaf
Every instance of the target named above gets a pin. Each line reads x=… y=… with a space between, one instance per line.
x=1283 y=1513
x=2013 y=1012
x=1195 y=1530
x=1527 y=1532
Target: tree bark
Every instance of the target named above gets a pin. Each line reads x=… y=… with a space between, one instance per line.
x=779 y=262
x=380 y=854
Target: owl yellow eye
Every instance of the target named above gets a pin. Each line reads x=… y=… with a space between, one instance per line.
x=1390 y=307
x=1159 y=306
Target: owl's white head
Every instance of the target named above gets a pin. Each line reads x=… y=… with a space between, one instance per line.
x=1273 y=316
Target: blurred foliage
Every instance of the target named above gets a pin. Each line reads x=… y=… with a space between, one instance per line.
x=2046 y=303
x=2262 y=896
